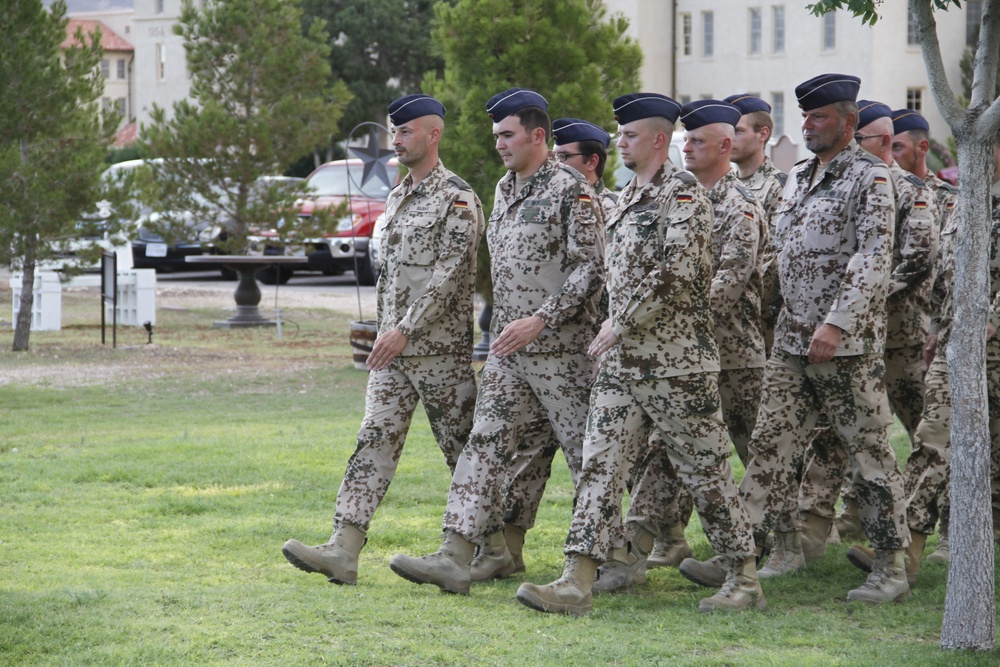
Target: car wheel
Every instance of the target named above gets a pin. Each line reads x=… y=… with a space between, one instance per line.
x=274 y=275
x=366 y=272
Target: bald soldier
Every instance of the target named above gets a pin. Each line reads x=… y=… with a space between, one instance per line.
x=658 y=371
x=547 y=261
x=834 y=229
x=423 y=351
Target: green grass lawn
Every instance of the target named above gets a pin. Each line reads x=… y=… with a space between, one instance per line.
x=142 y=524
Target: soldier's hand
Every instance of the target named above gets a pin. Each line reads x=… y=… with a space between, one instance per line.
x=824 y=343
x=929 y=349
x=605 y=340
x=386 y=348
x=517 y=335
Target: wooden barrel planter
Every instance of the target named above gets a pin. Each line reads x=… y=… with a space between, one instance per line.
x=363 y=334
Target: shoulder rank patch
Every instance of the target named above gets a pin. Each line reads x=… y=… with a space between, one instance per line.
x=459 y=183
x=685 y=177
x=782 y=177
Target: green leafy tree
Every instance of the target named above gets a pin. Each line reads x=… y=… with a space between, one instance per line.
x=969 y=614
x=261 y=96
x=53 y=140
x=380 y=47
x=570 y=51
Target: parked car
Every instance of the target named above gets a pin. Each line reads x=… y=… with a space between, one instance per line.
x=346 y=249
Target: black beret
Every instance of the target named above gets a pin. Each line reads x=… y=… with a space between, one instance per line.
x=747 y=103
x=407 y=108
x=504 y=104
x=827 y=89
x=908 y=119
x=571 y=130
x=636 y=106
x=705 y=112
x=869 y=110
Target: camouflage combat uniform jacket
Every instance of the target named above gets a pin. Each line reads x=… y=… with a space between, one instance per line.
x=915 y=244
x=659 y=279
x=767 y=185
x=427 y=283
x=547 y=257
x=738 y=236
x=836 y=247
x=946 y=194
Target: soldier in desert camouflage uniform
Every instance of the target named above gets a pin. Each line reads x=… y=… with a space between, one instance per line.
x=583 y=146
x=659 y=370
x=835 y=233
x=915 y=238
x=434 y=222
x=547 y=253
x=765 y=181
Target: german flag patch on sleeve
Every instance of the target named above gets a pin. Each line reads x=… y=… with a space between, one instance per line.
x=461 y=203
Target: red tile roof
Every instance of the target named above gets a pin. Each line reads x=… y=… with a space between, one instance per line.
x=126 y=135
x=110 y=40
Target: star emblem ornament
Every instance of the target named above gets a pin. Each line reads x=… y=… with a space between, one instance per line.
x=374 y=160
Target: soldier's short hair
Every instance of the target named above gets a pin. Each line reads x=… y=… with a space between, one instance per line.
x=761 y=119
x=591 y=147
x=532 y=117
x=845 y=107
x=918 y=135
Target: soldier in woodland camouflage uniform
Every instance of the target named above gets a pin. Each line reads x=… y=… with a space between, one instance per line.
x=547 y=253
x=658 y=371
x=834 y=229
x=434 y=222
x=583 y=146
x=915 y=239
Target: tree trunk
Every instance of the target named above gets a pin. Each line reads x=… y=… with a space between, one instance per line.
x=22 y=328
x=969 y=613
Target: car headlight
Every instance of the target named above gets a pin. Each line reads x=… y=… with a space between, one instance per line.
x=347 y=223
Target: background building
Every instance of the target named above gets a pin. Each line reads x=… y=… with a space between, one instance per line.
x=714 y=48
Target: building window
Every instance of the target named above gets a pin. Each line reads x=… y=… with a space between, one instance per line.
x=159 y=7
x=778 y=113
x=755 y=31
x=105 y=103
x=684 y=99
x=121 y=68
x=686 y=34
x=106 y=68
x=973 y=17
x=161 y=62
x=779 y=29
x=829 y=31
x=708 y=34
x=911 y=28
x=915 y=99
x=120 y=106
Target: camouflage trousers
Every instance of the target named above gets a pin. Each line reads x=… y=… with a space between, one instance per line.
x=929 y=497
x=528 y=474
x=656 y=492
x=515 y=393
x=445 y=384
x=851 y=393
x=827 y=467
x=686 y=412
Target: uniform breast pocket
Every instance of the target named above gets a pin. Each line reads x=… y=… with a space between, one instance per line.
x=823 y=233
x=538 y=241
x=418 y=246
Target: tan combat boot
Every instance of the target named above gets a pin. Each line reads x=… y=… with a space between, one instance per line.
x=887 y=581
x=849 y=520
x=786 y=556
x=710 y=573
x=669 y=549
x=942 y=554
x=627 y=566
x=493 y=560
x=447 y=568
x=815 y=532
x=337 y=559
x=740 y=591
x=514 y=537
x=863 y=557
x=570 y=594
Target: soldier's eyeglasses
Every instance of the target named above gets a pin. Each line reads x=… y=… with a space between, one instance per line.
x=861 y=137
x=562 y=157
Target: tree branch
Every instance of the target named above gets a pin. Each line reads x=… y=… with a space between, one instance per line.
x=930 y=48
